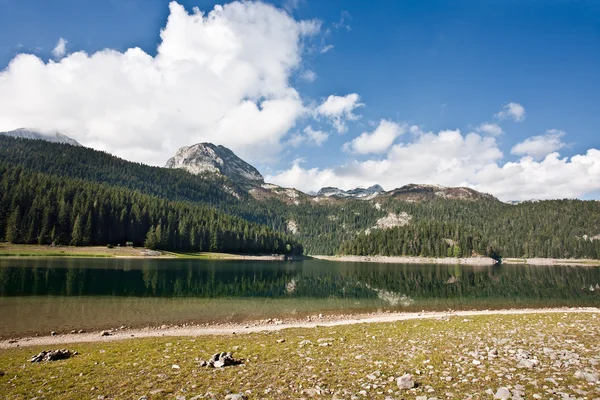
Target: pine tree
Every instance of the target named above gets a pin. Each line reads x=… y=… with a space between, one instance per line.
x=151 y=242
x=77 y=235
x=13 y=233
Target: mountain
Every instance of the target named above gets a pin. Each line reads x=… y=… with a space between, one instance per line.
x=46 y=186
x=416 y=193
x=358 y=193
x=55 y=137
x=207 y=158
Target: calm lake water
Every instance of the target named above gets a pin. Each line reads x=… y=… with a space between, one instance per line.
x=40 y=295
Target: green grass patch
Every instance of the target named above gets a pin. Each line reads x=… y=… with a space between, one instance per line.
x=429 y=349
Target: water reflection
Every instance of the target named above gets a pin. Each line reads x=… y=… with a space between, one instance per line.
x=396 y=285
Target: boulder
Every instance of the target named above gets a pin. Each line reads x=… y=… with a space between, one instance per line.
x=406 y=381
x=53 y=355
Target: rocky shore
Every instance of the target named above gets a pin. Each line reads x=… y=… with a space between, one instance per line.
x=543 y=355
x=411 y=260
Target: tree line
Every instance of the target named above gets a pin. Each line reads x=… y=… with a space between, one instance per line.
x=43 y=209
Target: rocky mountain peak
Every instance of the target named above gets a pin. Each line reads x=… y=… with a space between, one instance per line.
x=358 y=193
x=55 y=137
x=202 y=158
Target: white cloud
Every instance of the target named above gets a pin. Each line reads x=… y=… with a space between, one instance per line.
x=377 y=141
x=513 y=111
x=61 y=48
x=344 y=22
x=540 y=146
x=308 y=75
x=453 y=159
x=221 y=77
x=310 y=137
x=490 y=129
x=326 y=48
x=551 y=178
x=339 y=109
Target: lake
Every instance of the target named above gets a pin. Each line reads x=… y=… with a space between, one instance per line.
x=40 y=295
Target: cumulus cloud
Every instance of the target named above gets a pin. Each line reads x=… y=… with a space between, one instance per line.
x=339 y=109
x=513 y=111
x=61 y=48
x=540 y=146
x=310 y=137
x=451 y=158
x=490 y=129
x=221 y=77
x=377 y=141
x=446 y=158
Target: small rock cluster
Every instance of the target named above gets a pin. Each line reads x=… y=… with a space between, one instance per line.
x=52 y=355
x=220 y=360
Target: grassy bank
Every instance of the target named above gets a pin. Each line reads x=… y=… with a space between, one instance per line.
x=29 y=250
x=461 y=356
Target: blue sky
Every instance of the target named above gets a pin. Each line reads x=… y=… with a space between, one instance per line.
x=438 y=65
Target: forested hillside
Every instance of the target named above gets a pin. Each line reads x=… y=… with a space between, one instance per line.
x=174 y=201
x=552 y=228
x=44 y=209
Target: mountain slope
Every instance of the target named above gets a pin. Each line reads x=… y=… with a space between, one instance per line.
x=55 y=137
x=323 y=224
x=203 y=158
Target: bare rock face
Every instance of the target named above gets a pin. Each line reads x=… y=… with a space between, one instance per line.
x=207 y=158
x=418 y=193
x=358 y=193
x=55 y=137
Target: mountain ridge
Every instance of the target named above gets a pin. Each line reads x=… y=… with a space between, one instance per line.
x=55 y=137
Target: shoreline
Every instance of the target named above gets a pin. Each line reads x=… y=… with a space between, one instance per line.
x=410 y=259
x=8 y=251
x=269 y=325
x=579 y=262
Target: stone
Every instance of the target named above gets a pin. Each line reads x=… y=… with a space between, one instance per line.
x=502 y=393
x=236 y=396
x=220 y=360
x=105 y=333
x=52 y=355
x=175 y=366
x=406 y=381
x=591 y=377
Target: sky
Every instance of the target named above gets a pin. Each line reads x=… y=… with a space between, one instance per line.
x=499 y=96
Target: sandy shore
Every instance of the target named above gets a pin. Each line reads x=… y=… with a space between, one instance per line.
x=411 y=260
x=267 y=325
x=552 y=261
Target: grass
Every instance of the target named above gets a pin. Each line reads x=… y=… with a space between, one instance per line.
x=436 y=348
x=29 y=250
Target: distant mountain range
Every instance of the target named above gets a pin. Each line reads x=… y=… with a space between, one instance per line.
x=208 y=159
x=55 y=137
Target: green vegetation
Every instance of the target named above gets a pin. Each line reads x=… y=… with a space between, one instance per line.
x=175 y=210
x=43 y=209
x=439 y=353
